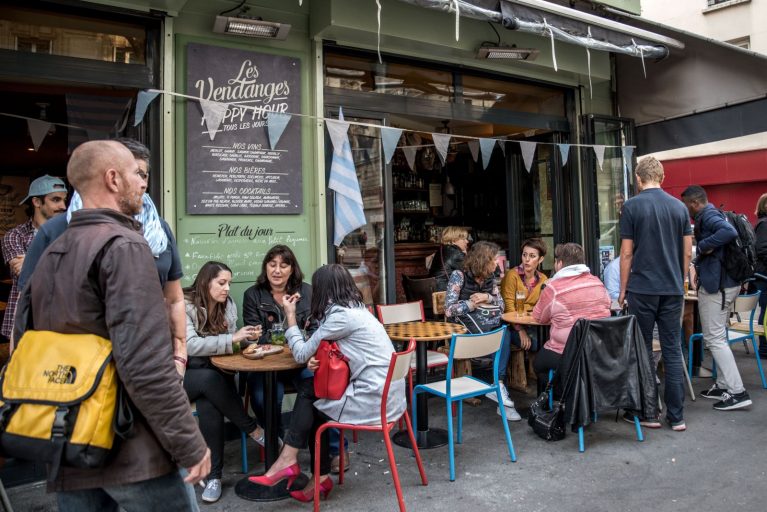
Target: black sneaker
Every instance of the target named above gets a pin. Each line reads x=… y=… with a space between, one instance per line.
x=730 y=402
x=713 y=393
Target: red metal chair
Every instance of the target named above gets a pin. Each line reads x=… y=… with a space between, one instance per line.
x=398 y=369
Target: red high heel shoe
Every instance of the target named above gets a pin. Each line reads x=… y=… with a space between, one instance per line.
x=291 y=473
x=306 y=496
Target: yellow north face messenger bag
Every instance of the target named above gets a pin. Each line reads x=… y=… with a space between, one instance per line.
x=61 y=401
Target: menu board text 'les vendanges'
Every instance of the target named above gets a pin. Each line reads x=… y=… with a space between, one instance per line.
x=238 y=172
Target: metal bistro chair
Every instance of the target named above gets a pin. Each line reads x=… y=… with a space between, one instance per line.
x=398 y=369
x=455 y=390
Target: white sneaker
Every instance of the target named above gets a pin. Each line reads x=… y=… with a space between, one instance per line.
x=511 y=414
x=212 y=490
x=508 y=402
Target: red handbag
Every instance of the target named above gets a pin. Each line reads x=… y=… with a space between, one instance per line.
x=332 y=377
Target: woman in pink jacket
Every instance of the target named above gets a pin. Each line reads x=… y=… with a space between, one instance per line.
x=570 y=294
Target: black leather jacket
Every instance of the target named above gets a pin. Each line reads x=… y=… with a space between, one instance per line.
x=761 y=244
x=446 y=259
x=259 y=308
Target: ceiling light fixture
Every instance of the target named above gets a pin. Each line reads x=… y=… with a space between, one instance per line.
x=506 y=53
x=251 y=27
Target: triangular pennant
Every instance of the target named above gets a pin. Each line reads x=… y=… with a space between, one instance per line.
x=410 y=156
x=599 y=151
x=275 y=125
x=337 y=130
x=628 y=158
x=502 y=145
x=528 y=151
x=37 y=131
x=213 y=112
x=474 y=148
x=123 y=121
x=487 y=146
x=389 y=139
x=442 y=143
x=564 y=152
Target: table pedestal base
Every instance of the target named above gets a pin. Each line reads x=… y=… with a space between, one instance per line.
x=432 y=438
x=247 y=490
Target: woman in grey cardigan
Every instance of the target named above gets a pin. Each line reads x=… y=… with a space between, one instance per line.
x=337 y=305
x=211 y=329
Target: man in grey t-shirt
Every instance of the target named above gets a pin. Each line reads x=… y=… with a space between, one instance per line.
x=656 y=247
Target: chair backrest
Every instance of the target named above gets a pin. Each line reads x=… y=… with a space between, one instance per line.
x=399 y=366
x=467 y=346
x=420 y=288
x=745 y=303
x=396 y=313
x=438 y=303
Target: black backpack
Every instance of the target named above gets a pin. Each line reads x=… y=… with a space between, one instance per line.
x=740 y=254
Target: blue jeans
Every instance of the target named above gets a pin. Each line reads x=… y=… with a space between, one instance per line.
x=162 y=494
x=503 y=364
x=666 y=311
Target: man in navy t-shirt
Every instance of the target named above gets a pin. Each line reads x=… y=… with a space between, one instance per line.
x=656 y=247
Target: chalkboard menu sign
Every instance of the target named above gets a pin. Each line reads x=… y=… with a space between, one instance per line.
x=238 y=172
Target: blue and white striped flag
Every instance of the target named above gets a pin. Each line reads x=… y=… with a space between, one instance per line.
x=348 y=207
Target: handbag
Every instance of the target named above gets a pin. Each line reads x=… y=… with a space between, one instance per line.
x=548 y=424
x=332 y=377
x=483 y=319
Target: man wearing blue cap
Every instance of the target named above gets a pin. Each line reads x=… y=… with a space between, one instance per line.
x=47 y=197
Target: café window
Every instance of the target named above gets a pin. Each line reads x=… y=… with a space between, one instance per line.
x=32 y=31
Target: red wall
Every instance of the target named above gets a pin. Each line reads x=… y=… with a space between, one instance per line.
x=734 y=180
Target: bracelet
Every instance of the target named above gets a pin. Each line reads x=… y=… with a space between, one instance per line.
x=180 y=360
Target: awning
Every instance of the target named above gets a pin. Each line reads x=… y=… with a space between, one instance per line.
x=710 y=91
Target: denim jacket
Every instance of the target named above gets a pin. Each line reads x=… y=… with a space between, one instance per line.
x=712 y=233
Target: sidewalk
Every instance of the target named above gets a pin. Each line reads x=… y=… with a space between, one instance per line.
x=718 y=464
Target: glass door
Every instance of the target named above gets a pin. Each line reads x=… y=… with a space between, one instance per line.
x=607 y=187
x=364 y=251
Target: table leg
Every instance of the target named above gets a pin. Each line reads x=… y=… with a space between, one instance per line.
x=246 y=489
x=425 y=437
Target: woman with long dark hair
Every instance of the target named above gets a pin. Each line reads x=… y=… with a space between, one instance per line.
x=337 y=305
x=211 y=329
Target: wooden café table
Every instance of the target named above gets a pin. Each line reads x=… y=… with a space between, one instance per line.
x=518 y=370
x=269 y=365
x=423 y=332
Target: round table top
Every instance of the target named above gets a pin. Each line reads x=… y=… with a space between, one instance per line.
x=423 y=331
x=520 y=318
x=273 y=363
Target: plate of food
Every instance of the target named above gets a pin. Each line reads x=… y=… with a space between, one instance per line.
x=260 y=351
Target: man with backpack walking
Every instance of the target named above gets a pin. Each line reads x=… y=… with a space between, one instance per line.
x=717 y=289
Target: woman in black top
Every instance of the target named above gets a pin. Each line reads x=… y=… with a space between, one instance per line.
x=761 y=264
x=450 y=255
x=280 y=276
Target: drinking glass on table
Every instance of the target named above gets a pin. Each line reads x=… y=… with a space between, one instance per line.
x=519 y=302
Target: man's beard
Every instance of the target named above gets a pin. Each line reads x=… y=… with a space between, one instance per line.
x=131 y=204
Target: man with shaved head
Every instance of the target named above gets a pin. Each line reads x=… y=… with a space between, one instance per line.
x=99 y=278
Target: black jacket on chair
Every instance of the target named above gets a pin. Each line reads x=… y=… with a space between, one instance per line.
x=606 y=365
x=447 y=258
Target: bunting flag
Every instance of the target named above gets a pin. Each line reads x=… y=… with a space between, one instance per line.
x=348 y=209
x=474 y=148
x=337 y=129
x=442 y=143
x=628 y=158
x=144 y=99
x=410 y=156
x=487 y=146
x=528 y=151
x=502 y=145
x=37 y=131
x=213 y=112
x=275 y=125
x=389 y=139
x=564 y=153
x=599 y=151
